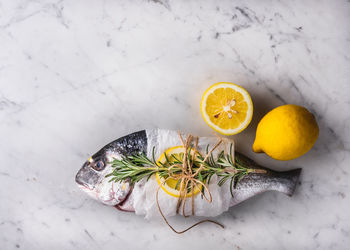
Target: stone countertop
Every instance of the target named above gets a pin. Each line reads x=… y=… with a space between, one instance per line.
x=75 y=75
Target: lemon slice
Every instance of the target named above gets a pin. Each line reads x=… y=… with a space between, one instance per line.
x=169 y=186
x=227 y=108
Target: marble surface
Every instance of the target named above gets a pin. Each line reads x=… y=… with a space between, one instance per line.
x=75 y=75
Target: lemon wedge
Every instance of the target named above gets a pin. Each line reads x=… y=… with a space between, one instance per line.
x=169 y=186
x=227 y=108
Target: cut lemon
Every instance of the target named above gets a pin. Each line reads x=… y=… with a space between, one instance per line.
x=227 y=108
x=169 y=186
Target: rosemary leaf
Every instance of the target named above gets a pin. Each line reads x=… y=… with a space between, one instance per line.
x=138 y=166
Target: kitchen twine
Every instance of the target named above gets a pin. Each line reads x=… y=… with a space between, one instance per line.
x=187 y=177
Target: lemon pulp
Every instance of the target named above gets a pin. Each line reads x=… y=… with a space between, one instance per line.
x=169 y=186
x=227 y=108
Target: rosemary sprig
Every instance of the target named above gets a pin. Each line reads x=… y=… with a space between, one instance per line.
x=138 y=166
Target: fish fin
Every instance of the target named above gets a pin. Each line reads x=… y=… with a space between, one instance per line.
x=288 y=180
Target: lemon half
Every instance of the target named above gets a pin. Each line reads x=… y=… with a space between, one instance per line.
x=169 y=185
x=227 y=108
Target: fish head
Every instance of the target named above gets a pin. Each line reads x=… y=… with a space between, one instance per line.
x=92 y=179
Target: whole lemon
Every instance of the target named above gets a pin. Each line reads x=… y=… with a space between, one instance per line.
x=286 y=132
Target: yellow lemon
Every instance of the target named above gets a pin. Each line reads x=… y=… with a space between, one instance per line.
x=169 y=186
x=286 y=132
x=227 y=108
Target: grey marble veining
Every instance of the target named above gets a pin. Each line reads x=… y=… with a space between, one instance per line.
x=75 y=75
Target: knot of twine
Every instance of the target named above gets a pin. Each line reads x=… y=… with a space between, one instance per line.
x=188 y=179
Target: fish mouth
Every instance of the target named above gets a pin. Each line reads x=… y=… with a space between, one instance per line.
x=83 y=185
x=86 y=177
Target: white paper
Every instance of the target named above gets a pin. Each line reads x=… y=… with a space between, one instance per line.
x=144 y=192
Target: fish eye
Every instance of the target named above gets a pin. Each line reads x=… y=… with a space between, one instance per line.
x=98 y=166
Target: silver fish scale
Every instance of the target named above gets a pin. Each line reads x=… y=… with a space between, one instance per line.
x=131 y=144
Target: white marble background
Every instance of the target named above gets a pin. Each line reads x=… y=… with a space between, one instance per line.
x=75 y=75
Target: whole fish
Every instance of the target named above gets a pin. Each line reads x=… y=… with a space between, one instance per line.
x=91 y=178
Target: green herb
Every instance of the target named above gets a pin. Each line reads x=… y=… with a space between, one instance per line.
x=138 y=166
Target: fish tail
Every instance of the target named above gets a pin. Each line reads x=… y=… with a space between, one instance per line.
x=288 y=181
